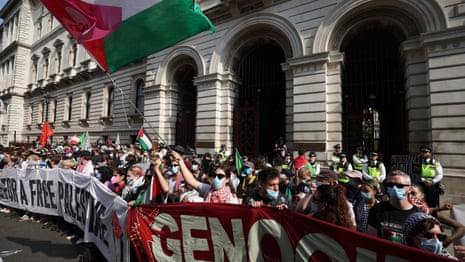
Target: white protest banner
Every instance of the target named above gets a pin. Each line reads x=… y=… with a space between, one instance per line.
x=79 y=199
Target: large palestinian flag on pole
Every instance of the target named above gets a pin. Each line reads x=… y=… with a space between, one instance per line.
x=117 y=32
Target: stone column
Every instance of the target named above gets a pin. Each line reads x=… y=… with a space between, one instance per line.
x=157 y=112
x=216 y=95
x=445 y=52
x=417 y=94
x=316 y=102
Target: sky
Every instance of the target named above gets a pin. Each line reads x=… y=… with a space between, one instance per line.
x=2 y=3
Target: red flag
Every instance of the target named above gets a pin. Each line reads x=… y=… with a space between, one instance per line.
x=156 y=192
x=108 y=141
x=47 y=132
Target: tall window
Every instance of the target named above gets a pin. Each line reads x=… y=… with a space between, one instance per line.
x=74 y=56
x=35 y=59
x=39 y=29
x=58 y=61
x=87 y=106
x=109 y=101
x=68 y=108
x=140 y=96
x=54 y=104
x=50 y=23
x=46 y=62
x=30 y=114
x=41 y=112
x=34 y=71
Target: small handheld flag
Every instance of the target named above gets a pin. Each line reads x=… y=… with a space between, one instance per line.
x=144 y=140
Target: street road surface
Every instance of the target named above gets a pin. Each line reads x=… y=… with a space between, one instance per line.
x=37 y=244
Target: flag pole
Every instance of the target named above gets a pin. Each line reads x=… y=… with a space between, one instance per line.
x=135 y=107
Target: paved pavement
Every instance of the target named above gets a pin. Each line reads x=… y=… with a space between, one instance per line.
x=37 y=244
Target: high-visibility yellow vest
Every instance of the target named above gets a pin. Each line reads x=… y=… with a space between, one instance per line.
x=359 y=166
x=374 y=171
x=343 y=178
x=313 y=168
x=428 y=171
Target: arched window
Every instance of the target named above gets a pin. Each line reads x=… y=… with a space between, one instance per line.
x=140 y=85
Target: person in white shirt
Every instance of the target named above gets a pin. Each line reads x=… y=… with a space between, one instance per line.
x=85 y=166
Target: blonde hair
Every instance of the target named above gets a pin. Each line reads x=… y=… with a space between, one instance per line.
x=303 y=171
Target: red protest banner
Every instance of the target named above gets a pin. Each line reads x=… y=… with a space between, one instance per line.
x=222 y=232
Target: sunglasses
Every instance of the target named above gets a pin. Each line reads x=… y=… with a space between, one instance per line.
x=429 y=235
x=398 y=185
x=219 y=175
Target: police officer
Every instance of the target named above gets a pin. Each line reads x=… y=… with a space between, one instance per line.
x=374 y=169
x=222 y=154
x=342 y=166
x=431 y=175
x=335 y=158
x=359 y=159
x=287 y=163
x=313 y=164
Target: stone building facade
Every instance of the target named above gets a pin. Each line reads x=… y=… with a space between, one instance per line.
x=388 y=75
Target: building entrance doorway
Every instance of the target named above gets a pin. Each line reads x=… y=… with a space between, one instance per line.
x=186 y=113
x=259 y=115
x=373 y=84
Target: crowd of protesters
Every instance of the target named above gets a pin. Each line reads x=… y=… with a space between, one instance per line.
x=356 y=193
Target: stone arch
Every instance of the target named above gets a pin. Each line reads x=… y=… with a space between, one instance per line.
x=411 y=17
x=257 y=27
x=177 y=57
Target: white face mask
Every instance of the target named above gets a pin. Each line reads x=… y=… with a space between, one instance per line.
x=195 y=167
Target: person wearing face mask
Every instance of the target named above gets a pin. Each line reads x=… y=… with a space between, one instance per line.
x=248 y=180
x=364 y=203
x=425 y=232
x=174 y=178
x=385 y=219
x=353 y=188
x=135 y=185
x=219 y=188
x=325 y=177
x=269 y=194
x=195 y=169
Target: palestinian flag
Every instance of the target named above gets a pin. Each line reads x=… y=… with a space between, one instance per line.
x=144 y=140
x=118 y=32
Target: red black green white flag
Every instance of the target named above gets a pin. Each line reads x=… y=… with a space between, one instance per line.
x=144 y=140
x=118 y=32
